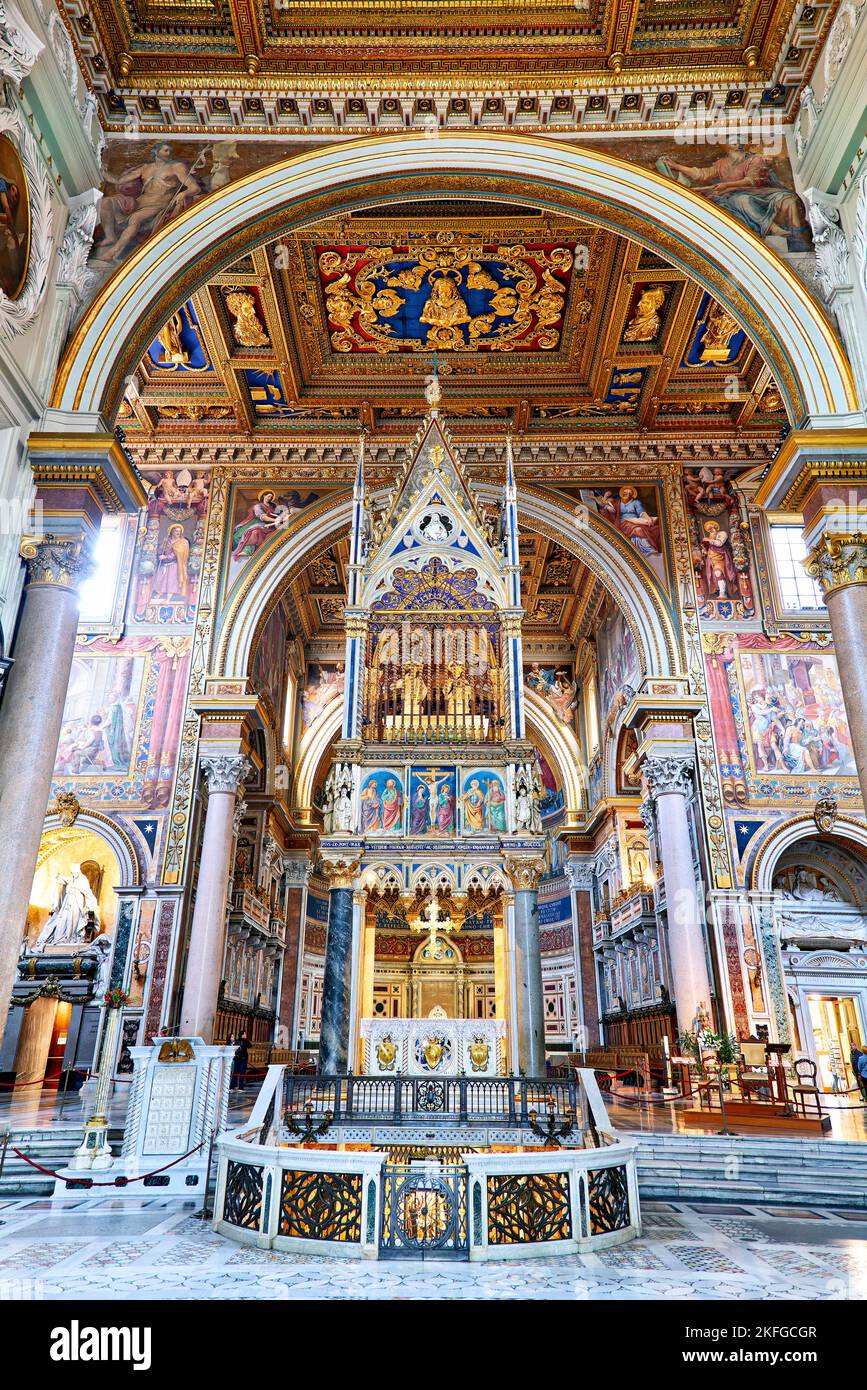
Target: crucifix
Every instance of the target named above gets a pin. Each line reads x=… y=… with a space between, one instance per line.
x=435 y=919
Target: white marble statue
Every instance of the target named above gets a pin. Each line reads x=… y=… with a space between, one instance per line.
x=74 y=909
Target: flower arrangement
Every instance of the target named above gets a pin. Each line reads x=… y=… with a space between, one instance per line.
x=116 y=997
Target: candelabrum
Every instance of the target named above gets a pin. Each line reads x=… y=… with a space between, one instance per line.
x=311 y=1132
x=551 y=1130
x=94 y=1151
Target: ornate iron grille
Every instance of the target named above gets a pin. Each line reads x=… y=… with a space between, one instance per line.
x=431 y=1097
x=424 y=1212
x=321 y=1206
x=242 y=1204
x=528 y=1207
x=609 y=1200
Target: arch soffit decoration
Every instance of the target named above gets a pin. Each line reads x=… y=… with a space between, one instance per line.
x=115 y=836
x=606 y=554
x=747 y=277
x=760 y=871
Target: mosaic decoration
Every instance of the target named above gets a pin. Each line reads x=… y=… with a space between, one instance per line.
x=387 y=299
x=609 y=1199
x=321 y=1206
x=242 y=1204
x=528 y=1207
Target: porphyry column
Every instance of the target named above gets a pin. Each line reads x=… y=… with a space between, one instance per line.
x=225 y=774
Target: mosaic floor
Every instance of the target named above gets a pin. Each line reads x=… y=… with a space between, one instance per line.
x=157 y=1249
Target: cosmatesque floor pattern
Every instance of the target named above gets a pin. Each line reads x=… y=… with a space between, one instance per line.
x=158 y=1249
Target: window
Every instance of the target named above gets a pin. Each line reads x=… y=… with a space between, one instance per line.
x=97 y=593
x=798 y=592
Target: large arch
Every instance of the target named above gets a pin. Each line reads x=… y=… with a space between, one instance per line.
x=596 y=544
x=787 y=324
x=542 y=727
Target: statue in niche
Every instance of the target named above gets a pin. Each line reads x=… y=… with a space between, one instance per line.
x=74 y=912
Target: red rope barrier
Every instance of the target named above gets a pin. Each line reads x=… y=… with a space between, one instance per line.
x=118 y=1182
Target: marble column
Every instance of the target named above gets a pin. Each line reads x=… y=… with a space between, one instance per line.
x=525 y=873
x=670 y=784
x=296 y=873
x=337 y=980
x=839 y=563
x=30 y=725
x=580 y=879
x=225 y=774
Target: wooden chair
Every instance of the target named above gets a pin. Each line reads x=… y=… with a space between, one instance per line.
x=754 y=1073
x=804 y=1068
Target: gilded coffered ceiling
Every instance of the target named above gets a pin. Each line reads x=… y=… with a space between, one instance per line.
x=539 y=325
x=288 y=64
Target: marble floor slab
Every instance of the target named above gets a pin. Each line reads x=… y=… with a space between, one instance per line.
x=158 y=1249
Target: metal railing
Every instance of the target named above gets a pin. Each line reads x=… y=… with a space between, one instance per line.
x=507 y=1100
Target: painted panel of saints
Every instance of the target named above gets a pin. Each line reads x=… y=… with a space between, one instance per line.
x=433 y=801
x=382 y=802
x=483 y=802
x=719 y=555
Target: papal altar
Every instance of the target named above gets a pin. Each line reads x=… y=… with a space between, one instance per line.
x=433 y=1046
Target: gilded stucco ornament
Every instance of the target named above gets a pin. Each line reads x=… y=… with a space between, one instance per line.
x=52 y=560
x=825 y=814
x=839 y=560
x=18 y=312
x=340 y=870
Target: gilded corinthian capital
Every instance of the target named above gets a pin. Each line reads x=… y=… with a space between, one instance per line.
x=668 y=774
x=53 y=560
x=838 y=560
x=340 y=870
x=524 y=870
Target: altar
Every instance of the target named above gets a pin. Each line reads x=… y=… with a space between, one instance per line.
x=433 y=1046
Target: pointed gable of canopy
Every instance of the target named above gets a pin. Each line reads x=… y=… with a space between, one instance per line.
x=432 y=473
